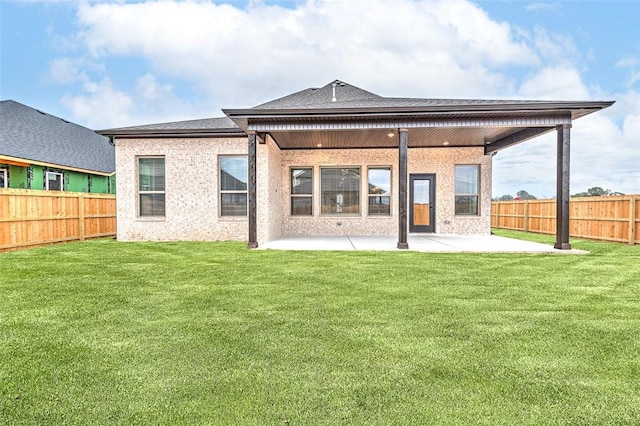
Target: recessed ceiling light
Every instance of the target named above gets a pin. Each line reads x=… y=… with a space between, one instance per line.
x=319 y=145
x=445 y=143
x=391 y=134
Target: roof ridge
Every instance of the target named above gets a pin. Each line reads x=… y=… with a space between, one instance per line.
x=335 y=91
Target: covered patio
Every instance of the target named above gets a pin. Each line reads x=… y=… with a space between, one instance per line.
x=428 y=243
x=415 y=139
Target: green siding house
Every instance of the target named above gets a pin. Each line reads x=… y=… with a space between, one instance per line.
x=43 y=152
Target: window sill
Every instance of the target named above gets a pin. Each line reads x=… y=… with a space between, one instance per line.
x=151 y=219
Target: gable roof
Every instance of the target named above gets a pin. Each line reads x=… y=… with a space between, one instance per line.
x=325 y=118
x=324 y=97
x=294 y=120
x=32 y=135
x=343 y=98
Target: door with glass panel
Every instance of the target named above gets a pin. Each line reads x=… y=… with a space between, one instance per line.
x=422 y=212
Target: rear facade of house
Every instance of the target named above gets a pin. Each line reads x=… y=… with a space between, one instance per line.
x=334 y=160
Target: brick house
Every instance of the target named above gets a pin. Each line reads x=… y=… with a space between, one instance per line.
x=332 y=160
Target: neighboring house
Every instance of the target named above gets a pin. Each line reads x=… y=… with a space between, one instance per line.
x=41 y=151
x=329 y=161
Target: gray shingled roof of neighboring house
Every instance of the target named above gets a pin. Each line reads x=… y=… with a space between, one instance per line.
x=30 y=134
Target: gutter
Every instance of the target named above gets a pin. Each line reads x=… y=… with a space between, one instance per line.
x=424 y=109
x=161 y=133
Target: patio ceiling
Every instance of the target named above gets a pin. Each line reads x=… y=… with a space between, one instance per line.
x=493 y=127
x=388 y=138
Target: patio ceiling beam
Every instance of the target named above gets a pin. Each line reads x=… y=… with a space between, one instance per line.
x=538 y=121
x=514 y=138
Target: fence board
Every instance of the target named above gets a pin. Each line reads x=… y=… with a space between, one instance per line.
x=613 y=218
x=31 y=218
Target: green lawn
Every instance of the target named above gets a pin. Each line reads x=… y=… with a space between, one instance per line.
x=211 y=333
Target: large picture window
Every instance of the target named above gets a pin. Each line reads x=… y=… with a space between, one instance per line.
x=3 y=178
x=340 y=191
x=151 y=186
x=302 y=191
x=234 y=175
x=467 y=179
x=379 y=191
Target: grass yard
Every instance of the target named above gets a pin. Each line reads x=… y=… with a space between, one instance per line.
x=104 y=332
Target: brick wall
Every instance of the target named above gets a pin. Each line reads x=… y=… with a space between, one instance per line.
x=271 y=203
x=191 y=183
x=440 y=161
x=192 y=198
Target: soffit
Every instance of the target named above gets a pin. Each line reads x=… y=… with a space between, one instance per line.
x=379 y=138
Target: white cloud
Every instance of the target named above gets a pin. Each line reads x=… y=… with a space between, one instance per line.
x=603 y=153
x=555 y=83
x=543 y=6
x=627 y=62
x=66 y=71
x=98 y=101
x=244 y=57
x=555 y=48
x=234 y=57
x=102 y=104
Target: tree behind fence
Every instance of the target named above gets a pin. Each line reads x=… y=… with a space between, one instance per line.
x=615 y=218
x=31 y=218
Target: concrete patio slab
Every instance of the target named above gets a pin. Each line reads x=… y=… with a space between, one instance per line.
x=435 y=243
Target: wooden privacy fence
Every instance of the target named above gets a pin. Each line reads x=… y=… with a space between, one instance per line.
x=32 y=218
x=614 y=218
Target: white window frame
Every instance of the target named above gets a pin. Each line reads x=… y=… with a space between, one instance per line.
x=476 y=194
x=221 y=192
x=359 y=188
x=294 y=196
x=46 y=179
x=141 y=192
x=388 y=195
x=5 y=182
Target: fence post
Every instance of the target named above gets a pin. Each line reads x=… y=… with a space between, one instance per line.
x=632 y=220
x=81 y=216
x=526 y=216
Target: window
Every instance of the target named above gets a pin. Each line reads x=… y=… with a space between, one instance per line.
x=54 y=181
x=302 y=191
x=466 y=181
x=340 y=191
x=234 y=173
x=3 y=179
x=151 y=189
x=379 y=191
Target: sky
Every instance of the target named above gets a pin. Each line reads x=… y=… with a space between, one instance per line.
x=105 y=64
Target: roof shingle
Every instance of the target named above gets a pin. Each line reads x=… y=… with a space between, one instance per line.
x=30 y=134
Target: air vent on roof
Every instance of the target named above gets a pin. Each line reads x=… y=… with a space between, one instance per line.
x=43 y=113
x=334 y=84
x=65 y=120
